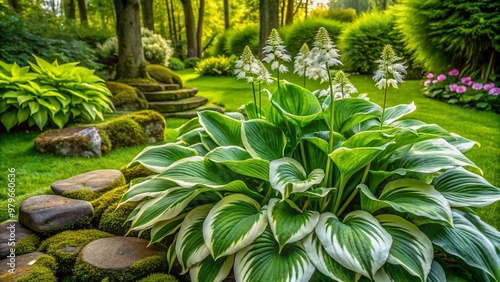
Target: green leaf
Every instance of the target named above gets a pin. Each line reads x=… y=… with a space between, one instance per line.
x=263 y=140
x=461 y=143
x=486 y=229
x=60 y=119
x=437 y=273
x=40 y=117
x=240 y=161
x=190 y=247
x=232 y=224
x=207 y=141
x=297 y=105
x=465 y=189
x=325 y=263
x=358 y=243
x=23 y=114
x=394 y=113
x=165 y=228
x=409 y=195
x=210 y=270
x=263 y=261
x=315 y=193
x=224 y=130
x=157 y=158
x=9 y=119
x=148 y=187
x=287 y=171
x=34 y=107
x=410 y=248
x=189 y=126
x=350 y=112
x=465 y=242
x=288 y=223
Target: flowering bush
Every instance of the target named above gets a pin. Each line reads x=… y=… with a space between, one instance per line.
x=462 y=91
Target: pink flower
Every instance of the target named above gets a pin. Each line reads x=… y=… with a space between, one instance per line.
x=488 y=86
x=461 y=89
x=435 y=81
x=427 y=82
x=453 y=87
x=466 y=79
x=441 y=77
x=430 y=75
x=494 y=91
x=477 y=86
x=453 y=72
x=470 y=83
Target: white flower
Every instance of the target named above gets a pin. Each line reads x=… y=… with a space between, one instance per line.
x=275 y=52
x=302 y=60
x=342 y=87
x=264 y=75
x=387 y=67
x=247 y=67
x=322 y=55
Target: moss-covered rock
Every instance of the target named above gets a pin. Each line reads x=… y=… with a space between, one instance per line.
x=31 y=267
x=125 y=97
x=66 y=246
x=109 y=198
x=38 y=273
x=135 y=172
x=163 y=74
x=27 y=244
x=124 y=132
x=114 y=220
x=106 y=180
x=153 y=122
x=159 y=277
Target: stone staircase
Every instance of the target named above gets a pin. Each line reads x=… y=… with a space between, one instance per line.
x=173 y=101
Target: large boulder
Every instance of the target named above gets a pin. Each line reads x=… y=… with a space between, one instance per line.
x=72 y=141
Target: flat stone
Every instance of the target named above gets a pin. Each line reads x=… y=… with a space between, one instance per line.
x=96 y=181
x=194 y=113
x=118 y=253
x=45 y=213
x=11 y=231
x=145 y=87
x=22 y=265
x=171 y=95
x=72 y=141
x=179 y=105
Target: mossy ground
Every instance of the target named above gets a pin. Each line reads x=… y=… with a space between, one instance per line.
x=163 y=74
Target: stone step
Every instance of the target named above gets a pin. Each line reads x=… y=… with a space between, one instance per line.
x=179 y=105
x=194 y=113
x=143 y=87
x=170 y=95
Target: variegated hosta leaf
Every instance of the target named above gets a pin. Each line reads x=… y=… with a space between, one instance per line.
x=232 y=224
x=394 y=113
x=316 y=193
x=157 y=158
x=192 y=137
x=240 y=161
x=235 y=115
x=350 y=112
x=487 y=230
x=263 y=261
x=190 y=246
x=288 y=223
x=164 y=228
x=410 y=196
x=224 y=130
x=398 y=273
x=263 y=140
x=165 y=206
x=422 y=128
x=207 y=141
x=410 y=247
x=288 y=176
x=202 y=151
x=358 y=243
x=461 y=143
x=148 y=187
x=465 y=189
x=325 y=263
x=466 y=242
x=210 y=270
x=437 y=273
x=189 y=126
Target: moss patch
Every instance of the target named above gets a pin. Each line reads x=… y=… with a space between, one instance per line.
x=38 y=273
x=163 y=74
x=159 y=277
x=124 y=94
x=135 y=172
x=124 y=132
x=114 y=220
x=109 y=198
x=89 y=195
x=28 y=244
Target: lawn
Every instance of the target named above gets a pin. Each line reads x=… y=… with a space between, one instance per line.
x=35 y=172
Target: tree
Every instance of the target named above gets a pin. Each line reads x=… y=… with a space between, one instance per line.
x=147 y=14
x=83 y=12
x=128 y=30
x=69 y=9
x=16 y=6
x=192 y=48
x=269 y=15
x=289 y=12
x=226 y=15
x=201 y=12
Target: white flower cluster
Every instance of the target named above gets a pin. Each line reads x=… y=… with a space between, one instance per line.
x=388 y=66
x=341 y=86
x=251 y=69
x=275 y=52
x=323 y=56
x=302 y=60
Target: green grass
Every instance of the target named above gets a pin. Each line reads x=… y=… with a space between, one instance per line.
x=35 y=172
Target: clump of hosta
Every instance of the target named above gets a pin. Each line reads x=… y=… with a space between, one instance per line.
x=275 y=54
x=247 y=194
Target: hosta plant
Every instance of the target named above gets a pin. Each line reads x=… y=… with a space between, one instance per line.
x=50 y=93
x=341 y=190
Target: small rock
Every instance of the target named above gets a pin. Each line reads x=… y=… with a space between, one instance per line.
x=11 y=231
x=96 y=181
x=22 y=264
x=47 y=213
x=71 y=141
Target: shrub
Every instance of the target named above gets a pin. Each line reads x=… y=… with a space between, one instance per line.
x=52 y=93
x=163 y=74
x=304 y=32
x=220 y=46
x=191 y=62
x=341 y=15
x=238 y=39
x=216 y=66
x=176 y=64
x=462 y=91
x=453 y=33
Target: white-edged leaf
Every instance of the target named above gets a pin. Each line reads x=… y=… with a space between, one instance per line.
x=232 y=224
x=394 y=113
x=148 y=187
x=465 y=189
x=410 y=248
x=324 y=262
x=316 y=193
x=189 y=126
x=157 y=158
x=437 y=273
x=263 y=261
x=210 y=270
x=288 y=223
x=223 y=130
x=240 y=161
x=350 y=112
x=358 y=243
x=289 y=172
x=461 y=143
x=411 y=196
x=486 y=229
x=465 y=242
x=164 y=228
x=263 y=140
x=190 y=246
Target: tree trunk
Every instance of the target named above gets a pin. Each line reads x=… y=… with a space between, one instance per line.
x=307 y=9
x=170 y=21
x=69 y=9
x=289 y=12
x=269 y=19
x=82 y=8
x=199 y=32
x=192 y=49
x=147 y=14
x=226 y=15
x=14 y=4
x=128 y=30
x=282 y=12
